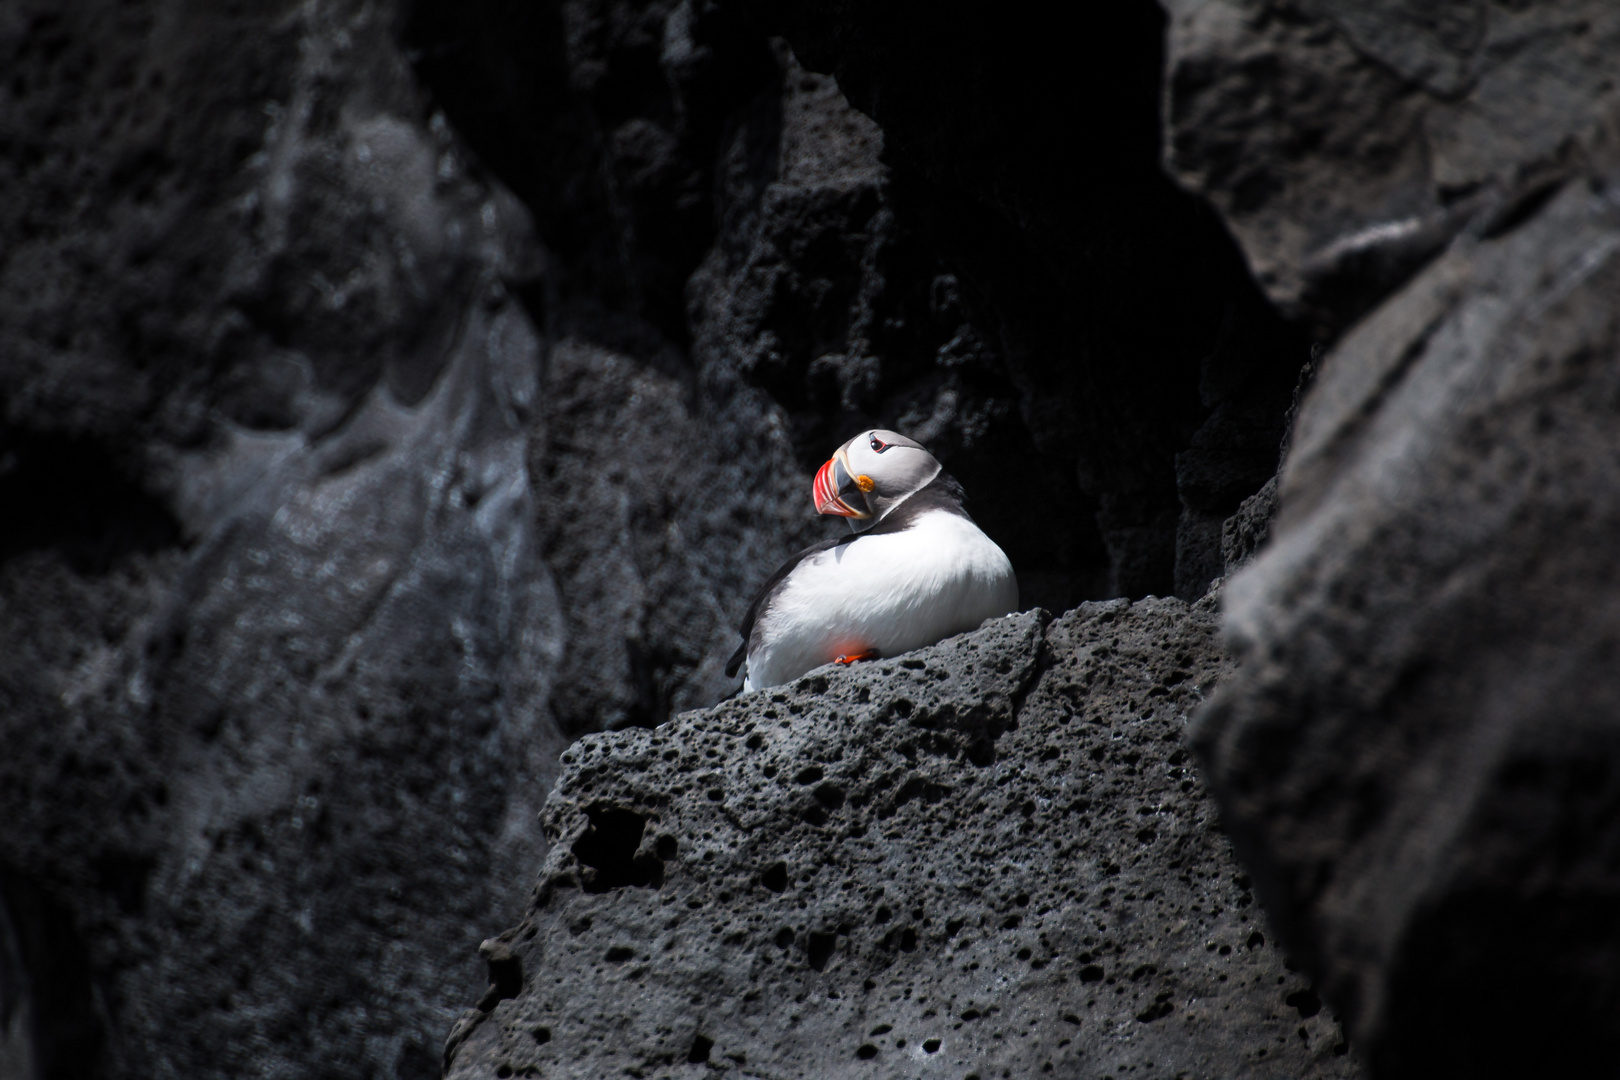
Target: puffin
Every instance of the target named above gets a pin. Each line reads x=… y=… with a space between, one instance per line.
x=914 y=570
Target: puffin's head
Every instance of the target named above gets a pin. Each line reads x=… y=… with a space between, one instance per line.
x=872 y=474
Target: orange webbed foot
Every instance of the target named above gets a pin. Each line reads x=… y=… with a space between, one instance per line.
x=869 y=654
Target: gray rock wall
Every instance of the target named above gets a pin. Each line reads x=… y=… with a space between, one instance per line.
x=1416 y=753
x=278 y=637
x=988 y=858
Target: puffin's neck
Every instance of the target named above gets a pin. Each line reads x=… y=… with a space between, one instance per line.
x=942 y=494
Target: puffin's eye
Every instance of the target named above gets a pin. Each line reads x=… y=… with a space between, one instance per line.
x=878 y=445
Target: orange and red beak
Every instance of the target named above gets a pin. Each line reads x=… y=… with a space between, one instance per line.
x=838 y=492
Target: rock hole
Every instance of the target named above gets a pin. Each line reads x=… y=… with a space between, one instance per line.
x=608 y=850
x=1306 y=1002
x=815 y=814
x=883 y=914
x=930 y=1046
x=1157 y=1011
x=784 y=937
x=1091 y=973
x=820 y=948
x=830 y=795
x=618 y=954
x=908 y=940
x=754 y=741
x=701 y=1045
x=542 y=1035
x=902 y=708
x=913 y=665
x=1256 y=939
x=866 y=1051
x=666 y=847
x=503 y=1072
x=775 y=877
x=808 y=775
x=881 y=1029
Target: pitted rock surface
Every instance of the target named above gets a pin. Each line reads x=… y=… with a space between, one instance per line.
x=987 y=858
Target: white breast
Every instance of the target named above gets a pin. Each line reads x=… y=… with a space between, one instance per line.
x=892 y=592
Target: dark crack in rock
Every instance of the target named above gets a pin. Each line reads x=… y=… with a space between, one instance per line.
x=1067 y=242
x=991 y=857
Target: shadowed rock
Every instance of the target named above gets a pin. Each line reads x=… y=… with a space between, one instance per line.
x=1416 y=755
x=1347 y=143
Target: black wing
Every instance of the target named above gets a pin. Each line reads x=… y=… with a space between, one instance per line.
x=941 y=493
x=763 y=597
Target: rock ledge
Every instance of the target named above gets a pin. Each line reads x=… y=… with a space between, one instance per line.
x=987 y=858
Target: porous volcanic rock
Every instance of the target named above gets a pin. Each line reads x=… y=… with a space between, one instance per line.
x=1417 y=755
x=990 y=857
